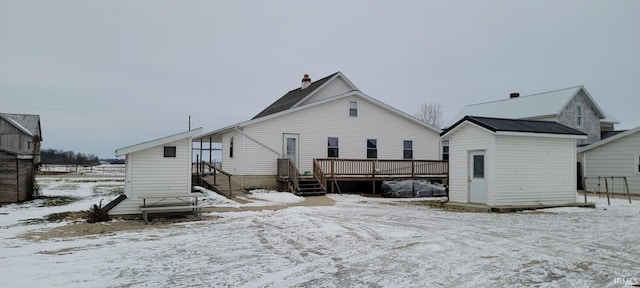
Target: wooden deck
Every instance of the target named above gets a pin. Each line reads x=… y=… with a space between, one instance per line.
x=328 y=171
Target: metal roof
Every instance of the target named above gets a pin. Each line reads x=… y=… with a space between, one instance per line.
x=517 y=125
x=543 y=104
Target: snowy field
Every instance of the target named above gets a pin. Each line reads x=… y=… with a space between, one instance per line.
x=358 y=242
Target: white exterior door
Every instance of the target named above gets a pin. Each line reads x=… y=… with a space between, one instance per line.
x=290 y=147
x=477 y=181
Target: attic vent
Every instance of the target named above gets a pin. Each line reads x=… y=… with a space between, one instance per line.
x=514 y=95
x=306 y=81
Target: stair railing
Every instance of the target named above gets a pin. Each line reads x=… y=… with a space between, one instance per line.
x=319 y=175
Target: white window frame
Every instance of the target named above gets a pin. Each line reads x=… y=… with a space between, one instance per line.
x=337 y=147
x=353 y=110
x=375 y=148
x=404 y=150
x=170 y=152
x=579 y=116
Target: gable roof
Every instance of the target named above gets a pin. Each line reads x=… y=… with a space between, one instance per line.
x=157 y=142
x=217 y=133
x=609 y=140
x=296 y=96
x=16 y=124
x=516 y=125
x=545 y=104
x=29 y=122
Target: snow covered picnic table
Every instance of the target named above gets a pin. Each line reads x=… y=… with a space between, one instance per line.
x=170 y=202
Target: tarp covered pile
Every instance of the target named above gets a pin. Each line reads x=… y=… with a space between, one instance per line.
x=412 y=188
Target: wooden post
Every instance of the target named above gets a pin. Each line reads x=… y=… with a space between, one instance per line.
x=413 y=169
x=201 y=159
x=230 y=194
x=210 y=153
x=606 y=186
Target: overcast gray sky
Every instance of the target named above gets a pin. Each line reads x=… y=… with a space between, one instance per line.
x=107 y=74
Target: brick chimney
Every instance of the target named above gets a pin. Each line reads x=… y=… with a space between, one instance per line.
x=306 y=81
x=514 y=95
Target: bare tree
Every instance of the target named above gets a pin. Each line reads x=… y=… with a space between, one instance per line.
x=430 y=113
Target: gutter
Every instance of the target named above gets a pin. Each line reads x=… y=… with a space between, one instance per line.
x=256 y=141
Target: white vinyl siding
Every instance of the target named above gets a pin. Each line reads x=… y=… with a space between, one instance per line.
x=235 y=164
x=314 y=125
x=468 y=138
x=519 y=170
x=616 y=158
x=333 y=88
x=534 y=170
x=149 y=172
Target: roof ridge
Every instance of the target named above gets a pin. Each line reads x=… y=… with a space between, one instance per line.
x=322 y=79
x=524 y=96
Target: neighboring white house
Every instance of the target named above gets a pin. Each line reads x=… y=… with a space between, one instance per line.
x=618 y=156
x=156 y=167
x=328 y=118
x=573 y=107
x=507 y=162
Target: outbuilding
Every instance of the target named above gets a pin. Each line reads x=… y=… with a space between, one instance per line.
x=158 y=167
x=616 y=158
x=507 y=162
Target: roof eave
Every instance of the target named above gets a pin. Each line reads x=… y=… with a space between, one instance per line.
x=608 y=140
x=157 y=142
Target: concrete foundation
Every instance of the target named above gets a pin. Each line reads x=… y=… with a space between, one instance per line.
x=473 y=207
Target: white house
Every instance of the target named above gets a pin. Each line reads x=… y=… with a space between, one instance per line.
x=328 y=118
x=618 y=156
x=506 y=162
x=160 y=166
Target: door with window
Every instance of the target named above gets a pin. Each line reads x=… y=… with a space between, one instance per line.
x=290 y=147
x=477 y=181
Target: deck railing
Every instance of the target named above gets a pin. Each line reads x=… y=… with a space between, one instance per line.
x=337 y=168
x=288 y=170
x=319 y=175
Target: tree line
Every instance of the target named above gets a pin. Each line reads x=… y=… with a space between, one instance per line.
x=57 y=156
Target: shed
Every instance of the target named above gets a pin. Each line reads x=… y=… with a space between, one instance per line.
x=20 y=137
x=506 y=162
x=617 y=156
x=155 y=167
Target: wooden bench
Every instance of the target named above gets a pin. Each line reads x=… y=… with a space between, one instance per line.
x=160 y=203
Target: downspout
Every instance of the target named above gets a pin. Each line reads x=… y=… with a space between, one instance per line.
x=256 y=141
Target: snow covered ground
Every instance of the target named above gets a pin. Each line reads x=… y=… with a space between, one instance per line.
x=358 y=242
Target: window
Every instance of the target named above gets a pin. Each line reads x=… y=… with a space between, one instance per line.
x=445 y=153
x=407 y=149
x=353 y=108
x=231 y=148
x=637 y=163
x=372 y=148
x=578 y=116
x=478 y=166
x=169 y=151
x=332 y=147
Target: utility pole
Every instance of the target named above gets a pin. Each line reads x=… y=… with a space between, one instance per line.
x=189 y=122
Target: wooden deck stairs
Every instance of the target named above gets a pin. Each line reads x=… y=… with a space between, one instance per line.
x=301 y=185
x=309 y=186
